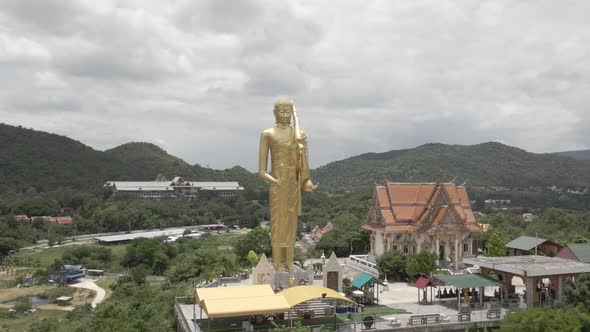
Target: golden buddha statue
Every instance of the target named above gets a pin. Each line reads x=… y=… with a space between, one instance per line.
x=289 y=174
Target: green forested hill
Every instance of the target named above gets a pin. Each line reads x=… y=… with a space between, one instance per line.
x=487 y=164
x=579 y=154
x=146 y=160
x=44 y=161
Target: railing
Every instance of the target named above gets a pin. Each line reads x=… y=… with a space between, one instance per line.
x=181 y=320
x=362 y=263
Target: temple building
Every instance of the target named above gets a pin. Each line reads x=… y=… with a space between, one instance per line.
x=177 y=188
x=410 y=216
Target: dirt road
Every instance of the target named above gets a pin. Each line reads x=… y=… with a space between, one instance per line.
x=89 y=284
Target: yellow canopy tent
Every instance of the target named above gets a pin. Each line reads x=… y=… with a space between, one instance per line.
x=258 y=299
x=202 y=294
x=235 y=307
x=300 y=294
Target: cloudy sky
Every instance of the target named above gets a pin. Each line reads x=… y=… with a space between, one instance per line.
x=199 y=78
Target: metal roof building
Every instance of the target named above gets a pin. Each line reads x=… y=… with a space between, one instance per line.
x=526 y=245
x=110 y=239
x=177 y=188
x=576 y=251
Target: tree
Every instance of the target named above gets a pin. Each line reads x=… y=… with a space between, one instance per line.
x=49 y=324
x=392 y=264
x=580 y=239
x=547 y=319
x=578 y=292
x=496 y=245
x=422 y=263
x=252 y=258
x=7 y=246
x=257 y=240
x=149 y=252
x=203 y=264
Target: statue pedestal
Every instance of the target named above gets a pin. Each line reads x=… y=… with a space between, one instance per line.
x=295 y=277
x=265 y=273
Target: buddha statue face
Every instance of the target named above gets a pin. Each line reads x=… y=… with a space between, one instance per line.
x=283 y=111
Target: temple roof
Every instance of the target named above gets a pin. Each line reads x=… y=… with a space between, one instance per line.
x=403 y=206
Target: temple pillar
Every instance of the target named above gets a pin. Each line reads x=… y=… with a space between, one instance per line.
x=530 y=292
x=456 y=253
x=481 y=294
x=559 y=289
x=437 y=250
x=378 y=244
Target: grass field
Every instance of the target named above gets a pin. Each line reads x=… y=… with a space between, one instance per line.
x=9 y=294
x=23 y=323
x=223 y=239
x=47 y=257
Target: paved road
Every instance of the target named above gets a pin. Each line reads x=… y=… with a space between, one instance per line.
x=89 y=284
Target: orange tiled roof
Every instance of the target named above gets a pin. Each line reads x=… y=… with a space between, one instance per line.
x=409 y=204
x=382 y=197
x=371 y=227
x=388 y=216
x=400 y=228
x=408 y=200
x=439 y=215
x=320 y=232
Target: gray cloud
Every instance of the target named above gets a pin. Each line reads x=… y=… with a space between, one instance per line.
x=199 y=77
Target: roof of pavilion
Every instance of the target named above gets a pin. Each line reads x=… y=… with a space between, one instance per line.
x=467 y=280
x=364 y=278
x=528 y=242
x=424 y=282
x=238 y=301
x=531 y=265
x=300 y=294
x=581 y=251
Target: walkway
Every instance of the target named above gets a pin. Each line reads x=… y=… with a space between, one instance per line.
x=89 y=284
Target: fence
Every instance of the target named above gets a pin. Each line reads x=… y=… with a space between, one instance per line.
x=362 y=263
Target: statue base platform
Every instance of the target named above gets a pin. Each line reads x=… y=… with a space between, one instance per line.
x=265 y=273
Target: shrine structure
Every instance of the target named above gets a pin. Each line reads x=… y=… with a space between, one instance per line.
x=410 y=216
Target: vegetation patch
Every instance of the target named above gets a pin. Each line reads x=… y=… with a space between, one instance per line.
x=12 y=322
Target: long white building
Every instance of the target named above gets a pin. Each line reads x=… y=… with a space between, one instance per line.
x=177 y=188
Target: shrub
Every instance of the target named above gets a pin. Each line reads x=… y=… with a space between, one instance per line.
x=54 y=293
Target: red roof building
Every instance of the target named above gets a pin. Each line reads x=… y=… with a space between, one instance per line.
x=60 y=220
x=319 y=232
x=44 y=218
x=411 y=216
x=22 y=217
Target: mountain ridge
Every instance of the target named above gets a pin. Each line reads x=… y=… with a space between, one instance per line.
x=484 y=164
x=46 y=161
x=576 y=154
